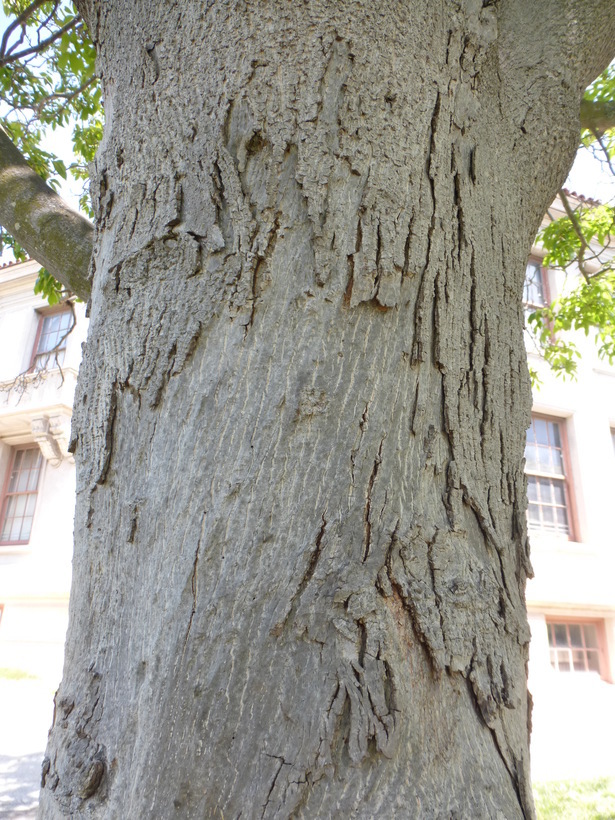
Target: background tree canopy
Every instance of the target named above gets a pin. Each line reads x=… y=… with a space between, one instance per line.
x=48 y=80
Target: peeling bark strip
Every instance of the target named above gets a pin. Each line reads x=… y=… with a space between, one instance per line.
x=300 y=547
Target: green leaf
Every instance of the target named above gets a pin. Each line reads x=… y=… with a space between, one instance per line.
x=48 y=287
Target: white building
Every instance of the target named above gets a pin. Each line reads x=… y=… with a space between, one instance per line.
x=37 y=473
x=570 y=463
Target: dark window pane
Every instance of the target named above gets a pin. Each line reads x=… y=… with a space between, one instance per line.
x=562 y=519
x=544 y=489
x=575 y=635
x=557 y=462
x=533 y=292
x=533 y=511
x=578 y=660
x=545 y=460
x=560 y=635
x=559 y=496
x=554 y=434
x=591 y=636
x=531 y=457
x=541 y=431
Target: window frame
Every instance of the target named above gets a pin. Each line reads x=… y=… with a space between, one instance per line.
x=5 y=494
x=574 y=620
x=44 y=313
x=544 y=281
x=569 y=497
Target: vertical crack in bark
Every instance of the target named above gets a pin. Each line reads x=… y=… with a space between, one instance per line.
x=264 y=258
x=355 y=450
x=406 y=268
x=277 y=630
x=431 y=175
x=273 y=782
x=432 y=571
x=510 y=766
x=362 y=642
x=490 y=536
x=253 y=291
x=108 y=434
x=367 y=543
x=378 y=260
x=424 y=298
x=460 y=216
x=194 y=583
x=357 y=247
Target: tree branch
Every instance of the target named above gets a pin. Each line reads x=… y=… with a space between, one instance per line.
x=42 y=45
x=598 y=115
x=605 y=151
x=68 y=96
x=579 y=232
x=51 y=232
x=21 y=20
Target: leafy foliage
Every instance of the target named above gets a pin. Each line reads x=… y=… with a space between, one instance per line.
x=582 y=239
x=589 y=307
x=602 y=90
x=567 y=242
x=49 y=287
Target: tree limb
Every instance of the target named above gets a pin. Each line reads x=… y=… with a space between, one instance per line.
x=51 y=232
x=21 y=20
x=576 y=226
x=42 y=45
x=598 y=115
x=599 y=139
x=67 y=96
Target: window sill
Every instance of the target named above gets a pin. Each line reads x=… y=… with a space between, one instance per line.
x=543 y=542
x=13 y=549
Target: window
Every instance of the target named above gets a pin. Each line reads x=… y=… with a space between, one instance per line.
x=50 y=347
x=20 y=496
x=574 y=647
x=534 y=295
x=535 y=290
x=548 y=509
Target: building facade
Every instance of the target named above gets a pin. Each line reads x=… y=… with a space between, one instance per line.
x=40 y=353
x=570 y=466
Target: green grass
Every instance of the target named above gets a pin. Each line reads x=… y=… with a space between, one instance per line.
x=576 y=799
x=15 y=674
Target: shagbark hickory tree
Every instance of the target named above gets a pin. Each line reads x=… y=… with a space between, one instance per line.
x=300 y=542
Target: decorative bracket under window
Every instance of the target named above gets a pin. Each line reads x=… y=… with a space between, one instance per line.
x=51 y=435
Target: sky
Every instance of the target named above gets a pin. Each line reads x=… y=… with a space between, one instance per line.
x=590 y=177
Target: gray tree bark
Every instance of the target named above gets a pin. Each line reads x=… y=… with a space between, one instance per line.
x=54 y=234
x=300 y=541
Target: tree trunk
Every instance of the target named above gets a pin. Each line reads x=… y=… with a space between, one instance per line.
x=301 y=550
